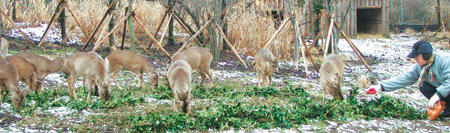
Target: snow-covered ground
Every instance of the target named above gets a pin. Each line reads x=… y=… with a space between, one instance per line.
x=390 y=54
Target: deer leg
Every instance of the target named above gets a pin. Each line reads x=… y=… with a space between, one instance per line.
x=71 y=85
x=141 y=80
x=210 y=76
x=259 y=80
x=89 y=89
x=270 y=79
x=115 y=81
x=203 y=78
x=1 y=93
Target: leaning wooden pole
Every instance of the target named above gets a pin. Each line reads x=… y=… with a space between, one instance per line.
x=165 y=30
x=97 y=45
x=185 y=28
x=330 y=31
x=151 y=37
x=429 y=21
x=195 y=35
x=51 y=25
x=229 y=44
x=15 y=26
x=76 y=21
x=245 y=45
x=442 y=25
x=277 y=32
x=353 y=46
x=160 y=24
x=59 y=6
x=100 y=23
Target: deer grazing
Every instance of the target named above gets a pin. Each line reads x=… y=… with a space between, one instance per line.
x=199 y=59
x=331 y=73
x=92 y=69
x=179 y=77
x=4 y=47
x=43 y=65
x=265 y=65
x=128 y=60
x=27 y=71
x=9 y=80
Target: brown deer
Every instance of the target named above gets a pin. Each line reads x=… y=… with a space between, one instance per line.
x=199 y=59
x=179 y=76
x=43 y=65
x=9 y=80
x=331 y=73
x=129 y=60
x=92 y=69
x=27 y=71
x=265 y=65
x=4 y=47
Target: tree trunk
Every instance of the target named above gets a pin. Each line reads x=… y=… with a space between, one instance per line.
x=439 y=13
x=62 y=22
x=223 y=22
x=171 y=39
x=14 y=10
x=111 y=26
x=131 y=27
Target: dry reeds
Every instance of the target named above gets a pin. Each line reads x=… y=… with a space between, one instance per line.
x=253 y=26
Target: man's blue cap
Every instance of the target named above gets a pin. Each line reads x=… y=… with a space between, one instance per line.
x=420 y=47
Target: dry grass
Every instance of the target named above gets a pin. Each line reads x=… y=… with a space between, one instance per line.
x=253 y=27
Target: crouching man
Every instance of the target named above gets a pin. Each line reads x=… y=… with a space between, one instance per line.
x=431 y=74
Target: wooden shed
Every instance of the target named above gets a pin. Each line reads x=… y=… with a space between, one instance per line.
x=364 y=16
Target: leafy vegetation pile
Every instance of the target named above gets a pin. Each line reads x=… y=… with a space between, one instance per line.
x=218 y=108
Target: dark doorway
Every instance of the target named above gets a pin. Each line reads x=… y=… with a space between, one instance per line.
x=369 y=20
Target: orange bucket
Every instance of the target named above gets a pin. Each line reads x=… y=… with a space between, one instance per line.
x=436 y=111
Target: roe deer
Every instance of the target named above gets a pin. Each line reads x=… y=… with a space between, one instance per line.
x=4 y=47
x=331 y=73
x=199 y=59
x=179 y=76
x=9 y=80
x=27 y=71
x=43 y=65
x=92 y=69
x=265 y=65
x=129 y=60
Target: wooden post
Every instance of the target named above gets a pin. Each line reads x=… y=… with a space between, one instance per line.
x=139 y=42
x=330 y=31
x=100 y=23
x=195 y=35
x=165 y=29
x=229 y=44
x=14 y=10
x=443 y=24
x=429 y=21
x=97 y=45
x=277 y=32
x=51 y=24
x=185 y=28
x=76 y=21
x=353 y=47
x=159 y=26
x=152 y=38
x=15 y=26
x=245 y=45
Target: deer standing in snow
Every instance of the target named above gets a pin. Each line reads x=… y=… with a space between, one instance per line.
x=265 y=65
x=9 y=79
x=179 y=76
x=331 y=73
x=199 y=59
x=129 y=60
x=92 y=69
x=43 y=65
x=27 y=71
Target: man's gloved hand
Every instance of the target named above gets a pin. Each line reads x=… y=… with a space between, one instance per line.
x=433 y=100
x=374 y=89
